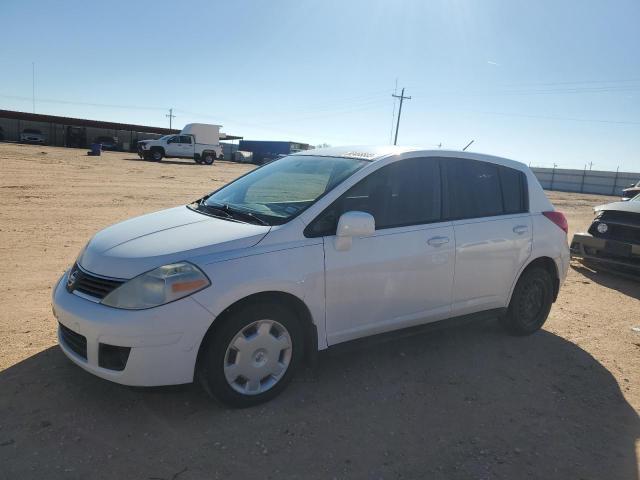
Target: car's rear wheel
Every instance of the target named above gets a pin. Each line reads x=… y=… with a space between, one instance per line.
x=208 y=158
x=530 y=303
x=251 y=357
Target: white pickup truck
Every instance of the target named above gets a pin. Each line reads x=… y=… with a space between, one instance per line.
x=198 y=141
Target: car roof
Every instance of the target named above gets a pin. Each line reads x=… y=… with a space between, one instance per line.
x=374 y=153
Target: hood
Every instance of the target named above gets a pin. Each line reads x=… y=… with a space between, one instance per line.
x=140 y=244
x=632 y=206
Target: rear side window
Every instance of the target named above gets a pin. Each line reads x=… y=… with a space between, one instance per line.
x=400 y=194
x=473 y=189
x=513 y=183
x=480 y=189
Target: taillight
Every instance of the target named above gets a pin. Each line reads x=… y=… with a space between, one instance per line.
x=559 y=219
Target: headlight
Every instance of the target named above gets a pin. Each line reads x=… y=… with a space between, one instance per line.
x=602 y=227
x=157 y=287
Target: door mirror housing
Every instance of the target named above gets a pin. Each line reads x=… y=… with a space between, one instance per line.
x=353 y=224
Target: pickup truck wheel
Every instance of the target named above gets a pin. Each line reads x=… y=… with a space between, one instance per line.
x=208 y=158
x=530 y=303
x=156 y=155
x=146 y=155
x=252 y=356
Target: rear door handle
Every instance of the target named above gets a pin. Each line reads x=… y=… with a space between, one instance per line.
x=438 y=241
x=520 y=229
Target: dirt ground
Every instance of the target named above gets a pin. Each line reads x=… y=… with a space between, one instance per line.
x=464 y=401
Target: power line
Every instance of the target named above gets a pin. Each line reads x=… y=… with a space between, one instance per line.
x=402 y=98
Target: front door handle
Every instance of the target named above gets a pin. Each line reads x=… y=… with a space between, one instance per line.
x=520 y=229
x=438 y=241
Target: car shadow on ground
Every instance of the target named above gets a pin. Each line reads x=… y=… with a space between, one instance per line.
x=166 y=162
x=460 y=402
x=622 y=282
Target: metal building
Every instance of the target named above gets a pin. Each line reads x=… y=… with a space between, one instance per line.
x=79 y=132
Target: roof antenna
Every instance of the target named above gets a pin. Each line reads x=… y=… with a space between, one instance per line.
x=468 y=145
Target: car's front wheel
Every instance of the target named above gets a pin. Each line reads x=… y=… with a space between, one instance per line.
x=252 y=356
x=156 y=155
x=530 y=303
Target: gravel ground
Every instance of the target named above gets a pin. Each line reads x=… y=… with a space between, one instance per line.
x=459 y=401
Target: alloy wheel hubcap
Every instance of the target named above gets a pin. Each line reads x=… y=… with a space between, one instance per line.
x=257 y=357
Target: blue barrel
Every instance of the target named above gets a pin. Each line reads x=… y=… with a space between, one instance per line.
x=96 y=149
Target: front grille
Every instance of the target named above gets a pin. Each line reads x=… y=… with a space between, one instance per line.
x=113 y=357
x=89 y=284
x=623 y=226
x=74 y=341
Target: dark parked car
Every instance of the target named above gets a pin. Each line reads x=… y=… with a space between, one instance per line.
x=631 y=191
x=108 y=143
x=613 y=238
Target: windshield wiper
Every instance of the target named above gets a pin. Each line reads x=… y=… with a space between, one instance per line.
x=235 y=213
x=201 y=205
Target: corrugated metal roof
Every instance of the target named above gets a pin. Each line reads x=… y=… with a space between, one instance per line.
x=83 y=122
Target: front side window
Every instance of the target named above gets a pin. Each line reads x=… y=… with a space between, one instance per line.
x=185 y=139
x=282 y=189
x=400 y=194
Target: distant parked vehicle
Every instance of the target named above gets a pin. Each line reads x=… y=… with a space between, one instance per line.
x=32 y=135
x=613 y=239
x=198 y=141
x=631 y=191
x=108 y=143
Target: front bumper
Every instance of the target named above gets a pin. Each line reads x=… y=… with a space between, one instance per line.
x=610 y=252
x=164 y=340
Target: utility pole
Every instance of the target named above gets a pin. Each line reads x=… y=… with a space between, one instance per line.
x=33 y=85
x=171 y=117
x=402 y=98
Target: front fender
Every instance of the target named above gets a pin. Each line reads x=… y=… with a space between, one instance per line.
x=298 y=271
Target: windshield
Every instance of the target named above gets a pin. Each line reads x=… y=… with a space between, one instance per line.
x=282 y=189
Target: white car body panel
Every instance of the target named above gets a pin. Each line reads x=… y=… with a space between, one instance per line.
x=393 y=279
x=397 y=277
x=489 y=252
x=143 y=243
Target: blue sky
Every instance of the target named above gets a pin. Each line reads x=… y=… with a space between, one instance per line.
x=542 y=82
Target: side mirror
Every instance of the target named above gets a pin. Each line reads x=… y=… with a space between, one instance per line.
x=353 y=224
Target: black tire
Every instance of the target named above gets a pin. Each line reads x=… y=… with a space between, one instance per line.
x=208 y=158
x=214 y=354
x=530 y=303
x=146 y=155
x=157 y=154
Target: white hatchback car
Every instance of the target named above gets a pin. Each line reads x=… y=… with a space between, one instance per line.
x=309 y=251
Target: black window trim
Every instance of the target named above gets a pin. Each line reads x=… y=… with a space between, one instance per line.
x=444 y=197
